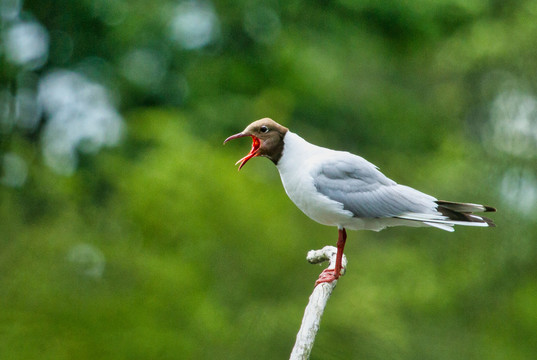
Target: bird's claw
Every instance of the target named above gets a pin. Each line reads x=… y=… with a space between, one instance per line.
x=327 y=276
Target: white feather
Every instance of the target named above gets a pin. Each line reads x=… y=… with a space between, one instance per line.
x=441 y=226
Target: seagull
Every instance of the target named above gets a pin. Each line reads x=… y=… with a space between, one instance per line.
x=337 y=188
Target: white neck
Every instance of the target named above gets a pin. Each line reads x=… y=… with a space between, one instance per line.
x=296 y=151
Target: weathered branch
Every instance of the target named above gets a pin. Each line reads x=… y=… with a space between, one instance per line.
x=315 y=308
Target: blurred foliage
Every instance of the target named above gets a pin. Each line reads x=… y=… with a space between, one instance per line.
x=126 y=232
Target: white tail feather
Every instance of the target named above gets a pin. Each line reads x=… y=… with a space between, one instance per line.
x=440 y=221
x=441 y=226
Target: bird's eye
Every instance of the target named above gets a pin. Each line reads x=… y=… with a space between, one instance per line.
x=264 y=129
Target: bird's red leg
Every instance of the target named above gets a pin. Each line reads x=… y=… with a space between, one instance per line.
x=329 y=275
x=342 y=238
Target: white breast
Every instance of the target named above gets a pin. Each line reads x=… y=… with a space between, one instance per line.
x=295 y=166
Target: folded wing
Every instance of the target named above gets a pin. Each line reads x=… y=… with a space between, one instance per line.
x=367 y=193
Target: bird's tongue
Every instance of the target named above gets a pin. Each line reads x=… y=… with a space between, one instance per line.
x=251 y=154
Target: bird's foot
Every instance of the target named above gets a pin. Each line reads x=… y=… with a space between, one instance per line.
x=327 y=276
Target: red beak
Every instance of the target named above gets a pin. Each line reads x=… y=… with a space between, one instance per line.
x=253 y=152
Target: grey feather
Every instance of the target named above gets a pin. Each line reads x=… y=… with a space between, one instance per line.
x=366 y=192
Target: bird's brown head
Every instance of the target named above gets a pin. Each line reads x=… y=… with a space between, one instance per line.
x=267 y=140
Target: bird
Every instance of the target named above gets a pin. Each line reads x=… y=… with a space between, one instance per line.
x=337 y=188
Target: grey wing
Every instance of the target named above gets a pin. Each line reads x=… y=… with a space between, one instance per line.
x=366 y=192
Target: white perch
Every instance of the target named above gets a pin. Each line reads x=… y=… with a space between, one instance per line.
x=315 y=308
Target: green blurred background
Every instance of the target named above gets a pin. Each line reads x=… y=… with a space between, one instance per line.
x=127 y=233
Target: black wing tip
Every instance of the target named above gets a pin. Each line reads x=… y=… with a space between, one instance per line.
x=464 y=212
x=456 y=206
x=489 y=222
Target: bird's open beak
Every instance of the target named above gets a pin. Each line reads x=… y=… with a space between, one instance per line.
x=253 y=152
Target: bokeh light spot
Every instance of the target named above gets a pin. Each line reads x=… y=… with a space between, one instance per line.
x=519 y=191
x=15 y=170
x=10 y=9
x=513 y=123
x=194 y=25
x=27 y=109
x=88 y=260
x=26 y=44
x=144 y=67
x=80 y=116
